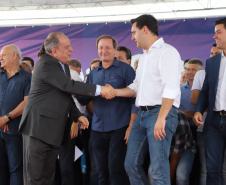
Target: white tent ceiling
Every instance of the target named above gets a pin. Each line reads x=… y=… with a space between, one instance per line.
x=48 y=12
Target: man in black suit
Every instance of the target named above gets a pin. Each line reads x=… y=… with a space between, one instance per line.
x=44 y=119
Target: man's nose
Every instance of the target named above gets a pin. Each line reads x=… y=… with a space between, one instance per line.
x=71 y=49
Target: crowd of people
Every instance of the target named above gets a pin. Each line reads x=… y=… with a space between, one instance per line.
x=151 y=124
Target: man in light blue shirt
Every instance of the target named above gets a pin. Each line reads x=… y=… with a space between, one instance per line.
x=187 y=157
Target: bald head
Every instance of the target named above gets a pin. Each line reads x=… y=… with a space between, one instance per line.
x=14 y=49
x=10 y=56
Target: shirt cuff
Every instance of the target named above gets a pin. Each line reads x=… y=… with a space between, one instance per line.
x=133 y=87
x=170 y=94
x=98 y=90
x=196 y=88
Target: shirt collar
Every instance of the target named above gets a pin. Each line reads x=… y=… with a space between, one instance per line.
x=157 y=44
x=3 y=71
x=222 y=55
x=61 y=64
x=187 y=85
x=18 y=72
x=115 y=63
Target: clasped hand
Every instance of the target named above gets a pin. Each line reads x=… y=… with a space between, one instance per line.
x=3 y=123
x=107 y=92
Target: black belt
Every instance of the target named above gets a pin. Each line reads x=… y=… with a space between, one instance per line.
x=147 y=108
x=222 y=112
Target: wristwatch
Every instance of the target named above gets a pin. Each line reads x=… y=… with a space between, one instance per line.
x=8 y=116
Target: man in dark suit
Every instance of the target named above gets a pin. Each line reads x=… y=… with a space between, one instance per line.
x=44 y=119
x=213 y=97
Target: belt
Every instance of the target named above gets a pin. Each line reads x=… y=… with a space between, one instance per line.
x=147 y=108
x=222 y=112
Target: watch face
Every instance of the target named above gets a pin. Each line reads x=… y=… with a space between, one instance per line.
x=8 y=116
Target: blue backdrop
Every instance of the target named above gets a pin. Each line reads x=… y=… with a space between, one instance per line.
x=193 y=38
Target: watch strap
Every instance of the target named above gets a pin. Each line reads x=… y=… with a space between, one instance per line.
x=8 y=116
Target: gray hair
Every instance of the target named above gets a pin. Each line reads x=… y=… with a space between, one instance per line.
x=196 y=61
x=52 y=41
x=15 y=49
x=74 y=63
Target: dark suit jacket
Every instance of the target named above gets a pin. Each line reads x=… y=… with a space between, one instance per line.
x=49 y=101
x=207 y=95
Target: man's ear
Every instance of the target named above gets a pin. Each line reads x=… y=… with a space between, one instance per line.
x=145 y=29
x=129 y=61
x=15 y=56
x=54 y=52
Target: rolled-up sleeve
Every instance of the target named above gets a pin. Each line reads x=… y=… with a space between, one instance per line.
x=170 y=73
x=134 y=85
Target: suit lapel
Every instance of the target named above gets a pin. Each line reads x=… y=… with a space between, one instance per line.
x=67 y=70
x=216 y=70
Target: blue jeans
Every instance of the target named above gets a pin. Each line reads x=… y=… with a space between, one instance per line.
x=109 y=151
x=142 y=139
x=215 y=146
x=11 y=159
x=184 y=167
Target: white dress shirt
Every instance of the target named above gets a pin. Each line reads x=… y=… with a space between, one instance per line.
x=75 y=77
x=158 y=75
x=220 y=102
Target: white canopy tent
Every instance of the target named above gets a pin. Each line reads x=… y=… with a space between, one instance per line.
x=53 y=12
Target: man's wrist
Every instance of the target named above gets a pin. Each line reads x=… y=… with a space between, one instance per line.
x=116 y=92
x=8 y=116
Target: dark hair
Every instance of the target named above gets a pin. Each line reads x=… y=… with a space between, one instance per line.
x=221 y=21
x=146 y=20
x=114 y=42
x=127 y=50
x=30 y=59
x=186 y=61
x=52 y=41
x=75 y=63
x=214 y=45
x=42 y=51
x=196 y=61
x=28 y=67
x=93 y=62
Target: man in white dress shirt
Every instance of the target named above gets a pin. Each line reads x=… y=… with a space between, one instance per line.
x=157 y=91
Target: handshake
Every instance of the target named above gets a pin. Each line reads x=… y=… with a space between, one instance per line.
x=108 y=92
